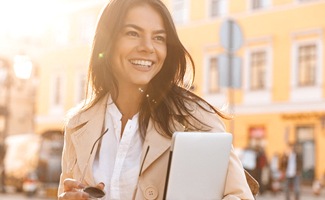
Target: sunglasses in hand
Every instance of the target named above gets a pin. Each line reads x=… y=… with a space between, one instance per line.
x=93 y=192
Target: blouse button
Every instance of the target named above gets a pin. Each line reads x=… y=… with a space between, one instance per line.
x=151 y=192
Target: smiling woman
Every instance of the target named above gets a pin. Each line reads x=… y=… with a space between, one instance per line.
x=140 y=49
x=138 y=93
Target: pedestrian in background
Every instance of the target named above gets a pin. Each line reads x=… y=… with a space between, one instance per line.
x=248 y=159
x=291 y=165
x=119 y=139
x=276 y=174
x=2 y=167
x=262 y=169
x=318 y=185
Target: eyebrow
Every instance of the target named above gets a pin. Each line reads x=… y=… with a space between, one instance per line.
x=141 y=29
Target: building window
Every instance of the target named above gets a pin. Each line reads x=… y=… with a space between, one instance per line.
x=257 y=72
x=258 y=4
x=180 y=11
x=57 y=91
x=214 y=92
x=306 y=69
x=218 y=8
x=213 y=86
x=81 y=87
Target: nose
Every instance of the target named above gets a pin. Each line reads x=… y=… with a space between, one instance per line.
x=146 y=45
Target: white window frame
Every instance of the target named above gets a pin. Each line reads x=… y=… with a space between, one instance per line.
x=57 y=109
x=262 y=96
x=217 y=99
x=184 y=13
x=262 y=68
x=209 y=74
x=306 y=93
x=265 y=4
x=221 y=12
x=80 y=76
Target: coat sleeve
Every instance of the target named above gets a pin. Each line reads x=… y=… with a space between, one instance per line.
x=236 y=187
x=236 y=184
x=68 y=161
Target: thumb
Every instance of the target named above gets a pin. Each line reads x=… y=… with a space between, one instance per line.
x=100 y=185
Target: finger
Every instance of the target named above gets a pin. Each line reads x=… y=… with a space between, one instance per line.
x=70 y=184
x=74 y=195
x=100 y=185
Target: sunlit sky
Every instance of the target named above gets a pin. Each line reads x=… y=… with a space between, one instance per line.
x=21 y=20
x=31 y=17
x=26 y=17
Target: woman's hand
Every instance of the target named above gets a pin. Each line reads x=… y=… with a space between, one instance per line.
x=72 y=190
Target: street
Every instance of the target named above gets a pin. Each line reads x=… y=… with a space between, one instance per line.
x=281 y=196
x=21 y=196
x=44 y=193
x=306 y=194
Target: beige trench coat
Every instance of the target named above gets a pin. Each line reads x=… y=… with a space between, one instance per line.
x=82 y=131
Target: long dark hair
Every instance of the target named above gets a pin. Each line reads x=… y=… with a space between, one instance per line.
x=167 y=94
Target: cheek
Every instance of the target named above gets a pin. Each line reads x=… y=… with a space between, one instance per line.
x=162 y=54
x=117 y=54
x=116 y=64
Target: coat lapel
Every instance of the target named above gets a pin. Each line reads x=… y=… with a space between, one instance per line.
x=83 y=139
x=92 y=122
x=157 y=144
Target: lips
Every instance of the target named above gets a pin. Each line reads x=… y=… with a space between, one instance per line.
x=142 y=63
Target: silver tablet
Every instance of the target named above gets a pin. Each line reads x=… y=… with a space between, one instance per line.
x=198 y=165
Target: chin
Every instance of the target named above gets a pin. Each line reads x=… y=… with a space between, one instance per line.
x=142 y=82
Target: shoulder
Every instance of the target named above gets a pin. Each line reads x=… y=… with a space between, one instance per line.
x=198 y=106
x=84 y=111
x=202 y=114
x=74 y=111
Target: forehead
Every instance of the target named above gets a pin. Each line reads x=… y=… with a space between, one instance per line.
x=144 y=15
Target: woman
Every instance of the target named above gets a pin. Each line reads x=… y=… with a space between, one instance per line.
x=136 y=74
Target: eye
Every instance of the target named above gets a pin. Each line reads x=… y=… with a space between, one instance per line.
x=160 y=38
x=132 y=33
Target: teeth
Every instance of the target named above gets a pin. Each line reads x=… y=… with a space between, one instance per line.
x=142 y=62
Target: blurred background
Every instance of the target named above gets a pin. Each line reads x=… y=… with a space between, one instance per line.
x=260 y=60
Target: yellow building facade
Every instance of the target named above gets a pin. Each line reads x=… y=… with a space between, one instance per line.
x=64 y=62
x=281 y=97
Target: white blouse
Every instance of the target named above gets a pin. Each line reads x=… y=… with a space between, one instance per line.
x=117 y=162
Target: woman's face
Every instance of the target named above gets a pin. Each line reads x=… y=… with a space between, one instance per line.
x=140 y=49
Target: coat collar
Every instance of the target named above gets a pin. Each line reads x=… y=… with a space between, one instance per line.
x=88 y=127
x=91 y=123
x=155 y=144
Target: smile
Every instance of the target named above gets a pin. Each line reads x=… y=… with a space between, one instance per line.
x=143 y=63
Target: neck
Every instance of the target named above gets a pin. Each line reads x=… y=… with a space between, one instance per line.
x=128 y=102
